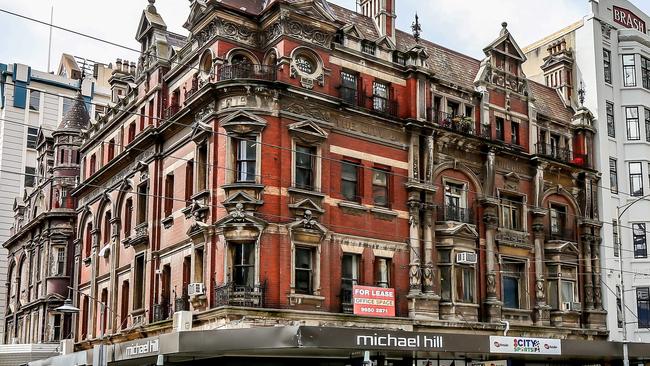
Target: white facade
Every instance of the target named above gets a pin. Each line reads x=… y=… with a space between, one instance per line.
x=616 y=28
x=29 y=100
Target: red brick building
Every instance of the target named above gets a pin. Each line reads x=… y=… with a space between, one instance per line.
x=253 y=172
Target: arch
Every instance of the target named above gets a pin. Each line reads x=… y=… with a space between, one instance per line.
x=125 y=189
x=271 y=57
x=564 y=193
x=206 y=63
x=462 y=168
x=104 y=204
x=241 y=51
x=85 y=215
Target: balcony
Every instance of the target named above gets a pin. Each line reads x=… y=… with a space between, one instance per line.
x=231 y=294
x=170 y=111
x=458 y=124
x=182 y=303
x=244 y=71
x=161 y=312
x=456 y=214
x=553 y=152
x=561 y=233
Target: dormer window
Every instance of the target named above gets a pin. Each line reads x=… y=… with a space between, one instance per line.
x=399 y=58
x=368 y=47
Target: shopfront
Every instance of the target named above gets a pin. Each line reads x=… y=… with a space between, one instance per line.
x=328 y=346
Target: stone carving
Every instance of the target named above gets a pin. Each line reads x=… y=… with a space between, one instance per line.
x=491 y=284
x=308 y=33
x=428 y=277
x=490 y=219
x=238 y=214
x=512 y=237
x=606 y=29
x=539 y=290
x=308 y=220
x=428 y=160
x=228 y=30
x=488 y=184
x=307 y=111
x=414 y=277
x=204 y=112
x=539 y=186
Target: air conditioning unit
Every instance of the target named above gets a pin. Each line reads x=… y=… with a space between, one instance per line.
x=576 y=306
x=182 y=321
x=194 y=289
x=466 y=258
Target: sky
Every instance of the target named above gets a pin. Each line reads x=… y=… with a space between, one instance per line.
x=463 y=25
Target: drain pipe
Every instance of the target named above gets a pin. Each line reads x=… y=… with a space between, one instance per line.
x=505 y=331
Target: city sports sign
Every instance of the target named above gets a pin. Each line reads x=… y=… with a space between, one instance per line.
x=373 y=301
x=628 y=19
x=525 y=345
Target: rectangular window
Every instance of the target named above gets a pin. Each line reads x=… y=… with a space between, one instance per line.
x=465 y=284
x=202 y=173
x=138 y=290
x=143 y=193
x=639 y=239
x=244 y=264
x=128 y=217
x=304 y=271
x=189 y=181
x=500 y=129
x=511 y=212
x=304 y=166
x=382 y=272
x=350 y=181
x=67 y=104
x=111 y=149
x=169 y=194
x=636 y=179
x=611 y=127
x=613 y=176
x=455 y=203
x=647 y=124
x=34 y=100
x=632 y=123
x=619 y=307
x=643 y=306
x=558 y=220
x=514 y=283
x=629 y=71
x=617 y=248
x=131 y=135
x=32 y=135
x=246 y=159
x=380 y=97
x=514 y=133
x=93 y=164
x=30 y=176
x=380 y=185
x=56 y=325
x=607 y=65
x=645 y=72
x=349 y=88
x=58 y=267
x=368 y=47
x=349 y=276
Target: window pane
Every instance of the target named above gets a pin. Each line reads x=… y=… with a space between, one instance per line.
x=34 y=100
x=380 y=188
x=611 y=128
x=552 y=294
x=567 y=291
x=613 y=176
x=511 y=292
x=636 y=179
x=639 y=239
x=629 y=70
x=632 y=122
x=445 y=283
x=32 y=135
x=643 y=306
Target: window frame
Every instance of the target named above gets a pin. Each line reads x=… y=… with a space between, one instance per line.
x=310 y=270
x=168 y=208
x=509 y=204
x=32 y=138
x=613 y=175
x=385 y=188
x=645 y=72
x=638 y=177
x=639 y=240
x=247 y=264
x=30 y=177
x=242 y=175
x=500 y=129
x=646 y=118
x=32 y=99
x=632 y=124
x=380 y=96
x=514 y=133
x=607 y=65
x=521 y=281
x=643 y=303
x=355 y=182
x=629 y=80
x=300 y=181
x=611 y=121
x=349 y=87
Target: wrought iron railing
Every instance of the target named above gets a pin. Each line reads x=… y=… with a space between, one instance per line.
x=460 y=124
x=171 y=111
x=232 y=294
x=381 y=105
x=182 y=303
x=161 y=312
x=456 y=214
x=553 y=152
x=561 y=233
x=245 y=71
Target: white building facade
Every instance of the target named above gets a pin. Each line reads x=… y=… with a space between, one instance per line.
x=31 y=100
x=607 y=54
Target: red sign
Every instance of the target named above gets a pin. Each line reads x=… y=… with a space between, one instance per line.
x=373 y=301
x=628 y=19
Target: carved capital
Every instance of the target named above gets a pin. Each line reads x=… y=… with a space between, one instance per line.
x=491 y=220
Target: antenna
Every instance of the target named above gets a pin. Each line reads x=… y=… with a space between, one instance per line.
x=49 y=46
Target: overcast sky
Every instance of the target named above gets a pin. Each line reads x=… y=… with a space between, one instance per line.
x=463 y=25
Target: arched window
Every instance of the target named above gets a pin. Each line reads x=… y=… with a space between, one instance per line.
x=107 y=227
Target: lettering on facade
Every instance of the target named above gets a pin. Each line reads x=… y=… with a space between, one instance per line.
x=139 y=349
x=368 y=243
x=524 y=345
x=375 y=130
x=628 y=19
x=388 y=340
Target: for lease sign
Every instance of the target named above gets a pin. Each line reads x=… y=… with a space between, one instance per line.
x=628 y=19
x=373 y=301
x=525 y=345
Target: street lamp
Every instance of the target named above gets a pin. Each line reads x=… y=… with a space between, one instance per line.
x=68 y=308
x=625 y=207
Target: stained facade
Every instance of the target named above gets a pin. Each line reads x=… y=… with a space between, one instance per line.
x=257 y=170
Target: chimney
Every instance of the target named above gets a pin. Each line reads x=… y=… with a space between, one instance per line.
x=383 y=13
x=558 y=69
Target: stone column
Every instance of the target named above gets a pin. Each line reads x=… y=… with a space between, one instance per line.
x=429 y=260
x=491 y=221
x=542 y=314
x=415 y=276
x=595 y=253
x=587 y=239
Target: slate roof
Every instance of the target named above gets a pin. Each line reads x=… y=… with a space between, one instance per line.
x=548 y=102
x=77 y=117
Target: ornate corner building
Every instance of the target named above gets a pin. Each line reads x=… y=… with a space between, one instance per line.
x=252 y=174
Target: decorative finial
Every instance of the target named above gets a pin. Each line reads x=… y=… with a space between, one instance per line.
x=417 y=28
x=151 y=8
x=581 y=93
x=504 y=28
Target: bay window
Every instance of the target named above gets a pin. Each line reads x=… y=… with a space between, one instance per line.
x=636 y=179
x=629 y=70
x=632 y=123
x=562 y=287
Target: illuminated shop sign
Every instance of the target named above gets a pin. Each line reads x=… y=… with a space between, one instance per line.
x=628 y=19
x=525 y=345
